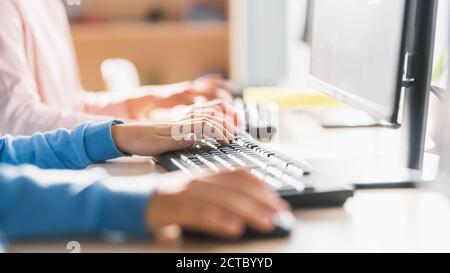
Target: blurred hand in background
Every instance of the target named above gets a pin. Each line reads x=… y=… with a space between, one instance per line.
x=203 y=89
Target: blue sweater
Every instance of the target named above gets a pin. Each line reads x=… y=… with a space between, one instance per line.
x=37 y=203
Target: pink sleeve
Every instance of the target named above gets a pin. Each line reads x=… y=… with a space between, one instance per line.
x=106 y=103
x=21 y=110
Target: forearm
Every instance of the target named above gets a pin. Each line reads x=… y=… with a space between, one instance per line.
x=62 y=149
x=23 y=115
x=133 y=103
x=129 y=106
x=36 y=203
x=106 y=103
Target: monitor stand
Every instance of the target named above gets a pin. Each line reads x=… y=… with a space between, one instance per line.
x=348 y=117
x=377 y=173
x=417 y=94
x=345 y=117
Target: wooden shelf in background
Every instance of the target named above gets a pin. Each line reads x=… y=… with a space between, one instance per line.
x=163 y=52
x=136 y=30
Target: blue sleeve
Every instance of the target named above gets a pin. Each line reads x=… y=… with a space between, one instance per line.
x=62 y=149
x=37 y=203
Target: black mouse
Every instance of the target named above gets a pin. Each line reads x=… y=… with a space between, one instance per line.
x=284 y=223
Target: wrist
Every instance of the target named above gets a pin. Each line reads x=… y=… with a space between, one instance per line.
x=164 y=206
x=155 y=211
x=119 y=134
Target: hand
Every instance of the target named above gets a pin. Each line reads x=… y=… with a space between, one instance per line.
x=217 y=108
x=212 y=87
x=147 y=98
x=207 y=88
x=221 y=205
x=155 y=139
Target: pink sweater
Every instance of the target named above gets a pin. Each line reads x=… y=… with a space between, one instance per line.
x=40 y=87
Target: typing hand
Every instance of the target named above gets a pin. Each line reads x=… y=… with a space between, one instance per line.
x=209 y=88
x=216 y=108
x=155 y=139
x=222 y=204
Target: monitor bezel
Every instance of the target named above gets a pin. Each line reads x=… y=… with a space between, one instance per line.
x=388 y=117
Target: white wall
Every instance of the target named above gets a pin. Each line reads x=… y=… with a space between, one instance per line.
x=298 y=53
x=258 y=41
x=442 y=42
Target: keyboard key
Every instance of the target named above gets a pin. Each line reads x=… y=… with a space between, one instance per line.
x=227 y=150
x=237 y=160
x=258 y=173
x=210 y=163
x=278 y=161
x=197 y=161
x=256 y=161
x=224 y=163
x=273 y=182
x=276 y=172
x=212 y=146
x=279 y=172
x=296 y=183
x=296 y=170
x=186 y=158
x=286 y=187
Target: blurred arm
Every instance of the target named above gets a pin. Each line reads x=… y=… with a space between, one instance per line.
x=38 y=204
x=21 y=110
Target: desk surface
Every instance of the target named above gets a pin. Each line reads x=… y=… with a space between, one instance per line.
x=374 y=220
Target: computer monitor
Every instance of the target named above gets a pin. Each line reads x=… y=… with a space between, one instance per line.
x=376 y=55
x=443 y=180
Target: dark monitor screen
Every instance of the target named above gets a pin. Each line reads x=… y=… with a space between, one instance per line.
x=357 y=53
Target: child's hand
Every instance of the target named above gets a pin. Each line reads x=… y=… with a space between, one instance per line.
x=155 y=139
x=221 y=204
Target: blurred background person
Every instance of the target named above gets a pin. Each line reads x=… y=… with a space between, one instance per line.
x=40 y=86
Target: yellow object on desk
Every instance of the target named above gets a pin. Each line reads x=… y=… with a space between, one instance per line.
x=289 y=98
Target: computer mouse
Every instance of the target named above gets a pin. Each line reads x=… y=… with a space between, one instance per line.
x=284 y=223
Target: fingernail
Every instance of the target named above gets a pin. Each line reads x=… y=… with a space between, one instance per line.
x=268 y=222
x=189 y=139
x=235 y=227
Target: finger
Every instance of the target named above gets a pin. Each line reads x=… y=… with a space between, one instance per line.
x=211 y=93
x=227 y=86
x=205 y=126
x=235 y=203
x=166 y=144
x=218 y=81
x=186 y=97
x=197 y=216
x=217 y=104
x=198 y=127
x=230 y=115
x=228 y=124
x=202 y=128
x=247 y=184
x=228 y=110
x=228 y=128
x=208 y=109
x=210 y=76
x=214 y=130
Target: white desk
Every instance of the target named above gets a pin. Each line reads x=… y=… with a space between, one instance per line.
x=375 y=220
